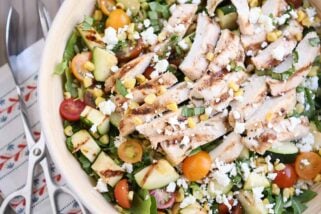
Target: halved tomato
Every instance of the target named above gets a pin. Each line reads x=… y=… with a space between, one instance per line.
x=197 y=166
x=286 y=177
x=130 y=151
x=121 y=194
x=77 y=65
x=308 y=165
x=70 y=109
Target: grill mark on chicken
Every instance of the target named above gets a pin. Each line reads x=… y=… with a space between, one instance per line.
x=111 y=173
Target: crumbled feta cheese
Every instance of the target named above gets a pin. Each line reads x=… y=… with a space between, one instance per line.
x=161 y=66
x=293 y=14
x=254 y=15
x=300 y=97
x=182 y=183
x=114 y=68
x=239 y=127
x=306 y=143
x=118 y=141
x=182 y=44
x=136 y=35
x=208 y=110
x=107 y=107
x=110 y=37
x=154 y=74
x=249 y=53
x=196 y=1
x=221 y=178
x=101 y=186
x=129 y=96
x=236 y=115
x=305 y=162
x=264 y=44
x=190 y=199
x=146 y=23
x=267 y=23
x=311 y=83
x=228 y=67
x=128 y=167
x=278 y=53
x=282 y=19
x=93 y=128
x=185 y=141
x=171 y=187
x=270 y=208
x=179 y=28
x=245 y=169
x=271 y=176
x=258 y=193
x=298 y=191
x=311 y=12
x=149 y=37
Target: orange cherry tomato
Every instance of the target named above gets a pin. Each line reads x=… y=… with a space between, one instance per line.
x=286 y=177
x=106 y=6
x=308 y=165
x=130 y=151
x=117 y=19
x=77 y=65
x=121 y=194
x=197 y=166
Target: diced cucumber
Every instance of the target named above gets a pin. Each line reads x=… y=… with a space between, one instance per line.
x=91 y=37
x=107 y=169
x=156 y=175
x=104 y=126
x=245 y=154
x=286 y=152
x=250 y=205
x=215 y=187
x=83 y=141
x=256 y=180
x=228 y=21
x=103 y=61
x=91 y=116
x=227 y=9
x=115 y=118
x=132 y=5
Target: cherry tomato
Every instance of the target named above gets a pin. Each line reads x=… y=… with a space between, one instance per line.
x=164 y=199
x=311 y=168
x=237 y=209
x=117 y=19
x=286 y=177
x=70 y=109
x=106 y=6
x=294 y=3
x=131 y=51
x=77 y=65
x=130 y=151
x=148 y=72
x=197 y=166
x=89 y=99
x=121 y=194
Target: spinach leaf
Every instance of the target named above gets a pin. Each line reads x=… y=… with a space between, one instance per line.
x=306 y=196
x=278 y=208
x=190 y=112
x=85 y=163
x=297 y=206
x=120 y=88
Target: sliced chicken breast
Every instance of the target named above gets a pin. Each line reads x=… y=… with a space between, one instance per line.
x=274 y=7
x=243 y=12
x=207 y=33
x=129 y=70
x=228 y=49
x=177 y=94
x=229 y=150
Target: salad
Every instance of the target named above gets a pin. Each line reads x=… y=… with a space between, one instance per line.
x=195 y=106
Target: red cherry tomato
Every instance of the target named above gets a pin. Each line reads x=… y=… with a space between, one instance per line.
x=236 y=209
x=286 y=177
x=121 y=194
x=70 y=109
x=294 y=3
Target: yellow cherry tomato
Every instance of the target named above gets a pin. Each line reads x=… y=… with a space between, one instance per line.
x=117 y=19
x=106 y=6
x=130 y=151
x=197 y=166
x=77 y=65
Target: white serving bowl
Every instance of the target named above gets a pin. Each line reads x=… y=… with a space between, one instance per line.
x=50 y=92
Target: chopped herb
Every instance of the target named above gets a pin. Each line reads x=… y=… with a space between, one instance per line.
x=190 y=112
x=69 y=144
x=295 y=56
x=120 y=88
x=87 y=23
x=314 y=41
x=194 y=151
x=238 y=68
x=60 y=68
x=119 y=46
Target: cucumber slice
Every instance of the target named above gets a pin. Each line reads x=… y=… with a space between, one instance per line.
x=250 y=205
x=103 y=60
x=256 y=180
x=115 y=118
x=226 y=9
x=91 y=116
x=91 y=37
x=132 y=5
x=227 y=21
x=286 y=152
x=215 y=186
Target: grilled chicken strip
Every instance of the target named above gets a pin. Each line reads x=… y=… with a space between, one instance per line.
x=274 y=53
x=178 y=145
x=182 y=17
x=274 y=7
x=146 y=112
x=150 y=87
x=306 y=55
x=213 y=89
x=255 y=91
x=211 y=6
x=207 y=33
x=263 y=139
x=228 y=49
x=229 y=149
x=243 y=12
x=129 y=70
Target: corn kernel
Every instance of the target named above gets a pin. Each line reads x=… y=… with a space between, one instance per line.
x=161 y=90
x=233 y=86
x=239 y=93
x=99 y=100
x=306 y=22
x=279 y=167
x=179 y=195
x=68 y=131
x=141 y=79
x=172 y=106
x=253 y=3
x=275 y=189
x=317 y=178
x=271 y=36
x=150 y=99
x=130 y=195
x=298 y=36
x=187 y=79
x=129 y=83
x=98 y=15
x=265 y=201
x=278 y=33
x=269 y=116
x=299 y=108
x=204 y=117
x=87 y=82
x=191 y=122
x=286 y=194
x=161 y=37
x=301 y=15
x=98 y=92
x=131 y=28
x=133 y=105
x=67 y=95
x=137 y=121
x=210 y=56
x=89 y=66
